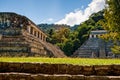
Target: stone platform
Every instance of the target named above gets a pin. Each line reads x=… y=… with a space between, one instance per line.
x=43 y=71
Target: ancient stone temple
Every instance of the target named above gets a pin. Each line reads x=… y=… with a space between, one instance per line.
x=95 y=47
x=19 y=36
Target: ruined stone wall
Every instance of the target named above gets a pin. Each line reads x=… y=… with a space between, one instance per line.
x=12 y=24
x=13 y=46
x=19 y=36
x=95 y=47
x=22 y=46
x=40 y=71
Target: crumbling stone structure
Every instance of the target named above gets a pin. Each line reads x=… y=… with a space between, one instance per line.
x=19 y=36
x=95 y=47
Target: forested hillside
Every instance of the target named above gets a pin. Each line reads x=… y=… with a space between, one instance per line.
x=69 y=38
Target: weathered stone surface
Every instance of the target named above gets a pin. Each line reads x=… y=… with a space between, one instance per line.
x=96 y=78
x=51 y=69
x=74 y=69
x=15 y=67
x=4 y=66
x=46 y=68
x=20 y=37
x=103 y=70
x=116 y=69
x=88 y=70
x=29 y=67
x=95 y=47
x=23 y=76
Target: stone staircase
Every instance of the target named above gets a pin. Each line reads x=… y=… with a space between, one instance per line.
x=27 y=45
x=54 y=49
x=13 y=46
x=86 y=50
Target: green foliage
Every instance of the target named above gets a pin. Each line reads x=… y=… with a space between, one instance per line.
x=68 y=47
x=112 y=16
x=112 y=23
x=70 y=39
x=116 y=49
x=55 y=27
x=83 y=32
x=76 y=44
x=62 y=35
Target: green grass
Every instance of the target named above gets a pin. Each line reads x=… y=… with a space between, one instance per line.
x=74 y=61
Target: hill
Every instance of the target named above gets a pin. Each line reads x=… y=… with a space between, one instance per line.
x=47 y=27
x=72 y=37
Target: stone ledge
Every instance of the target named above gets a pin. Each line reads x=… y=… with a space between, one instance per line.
x=44 y=68
x=24 y=76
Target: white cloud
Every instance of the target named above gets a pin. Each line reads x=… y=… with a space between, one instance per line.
x=79 y=16
x=49 y=20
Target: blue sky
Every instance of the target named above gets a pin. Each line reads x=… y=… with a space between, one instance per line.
x=45 y=11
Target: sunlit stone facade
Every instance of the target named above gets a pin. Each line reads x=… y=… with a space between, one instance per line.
x=19 y=36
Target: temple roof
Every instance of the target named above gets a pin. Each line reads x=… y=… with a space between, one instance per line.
x=98 y=32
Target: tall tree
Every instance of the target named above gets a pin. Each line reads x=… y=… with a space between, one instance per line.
x=112 y=23
x=112 y=17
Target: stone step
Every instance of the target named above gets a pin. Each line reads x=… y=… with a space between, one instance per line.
x=13 y=49
x=26 y=76
x=86 y=49
x=13 y=44
x=44 y=68
x=14 y=54
x=11 y=39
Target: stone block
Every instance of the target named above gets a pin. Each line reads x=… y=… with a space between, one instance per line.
x=63 y=69
x=77 y=77
x=116 y=70
x=96 y=78
x=74 y=69
x=88 y=70
x=29 y=67
x=38 y=77
x=15 y=67
x=46 y=68
x=103 y=70
x=4 y=66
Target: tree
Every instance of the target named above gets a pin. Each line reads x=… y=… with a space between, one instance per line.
x=112 y=23
x=76 y=44
x=68 y=47
x=62 y=35
x=83 y=32
x=112 y=17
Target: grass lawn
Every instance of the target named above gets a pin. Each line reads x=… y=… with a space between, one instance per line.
x=75 y=61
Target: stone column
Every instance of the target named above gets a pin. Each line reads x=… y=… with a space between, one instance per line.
x=94 y=36
x=40 y=35
x=8 y=22
x=45 y=39
x=90 y=36
x=28 y=29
